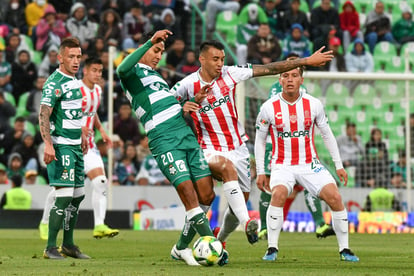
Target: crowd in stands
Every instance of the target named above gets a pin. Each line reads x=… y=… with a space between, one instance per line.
x=267 y=30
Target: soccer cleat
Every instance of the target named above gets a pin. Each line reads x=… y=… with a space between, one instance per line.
x=185 y=255
x=53 y=254
x=263 y=234
x=44 y=231
x=348 y=256
x=251 y=230
x=216 y=231
x=271 y=254
x=73 y=251
x=224 y=259
x=324 y=231
x=103 y=230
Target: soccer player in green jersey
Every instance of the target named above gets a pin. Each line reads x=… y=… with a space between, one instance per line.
x=60 y=120
x=171 y=141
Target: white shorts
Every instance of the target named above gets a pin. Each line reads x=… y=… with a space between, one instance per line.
x=92 y=160
x=241 y=160
x=313 y=176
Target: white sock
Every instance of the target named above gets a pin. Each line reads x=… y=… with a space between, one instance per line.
x=340 y=226
x=99 y=200
x=235 y=198
x=49 y=202
x=274 y=220
x=230 y=223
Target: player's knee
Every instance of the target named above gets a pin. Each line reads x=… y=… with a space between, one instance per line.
x=207 y=199
x=100 y=184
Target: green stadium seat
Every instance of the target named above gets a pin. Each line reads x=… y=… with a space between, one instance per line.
x=337 y=93
x=21 y=106
x=313 y=87
x=226 y=23
x=25 y=39
x=29 y=127
x=384 y=51
x=304 y=6
x=266 y=82
x=409 y=47
x=10 y=98
x=364 y=94
x=364 y=6
x=395 y=65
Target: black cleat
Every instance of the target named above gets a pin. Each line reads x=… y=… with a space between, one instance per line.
x=73 y=251
x=324 y=231
x=53 y=254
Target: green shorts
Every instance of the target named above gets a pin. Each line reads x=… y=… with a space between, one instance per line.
x=181 y=165
x=68 y=170
x=268 y=158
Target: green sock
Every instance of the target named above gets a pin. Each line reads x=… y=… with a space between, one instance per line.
x=186 y=236
x=71 y=218
x=200 y=223
x=56 y=217
x=315 y=207
x=263 y=205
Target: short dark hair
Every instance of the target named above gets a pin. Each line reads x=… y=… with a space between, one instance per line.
x=69 y=42
x=211 y=43
x=20 y=119
x=17 y=180
x=92 y=60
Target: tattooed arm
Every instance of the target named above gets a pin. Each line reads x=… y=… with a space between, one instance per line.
x=44 y=123
x=317 y=59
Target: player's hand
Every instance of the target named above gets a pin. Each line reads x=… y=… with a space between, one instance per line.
x=202 y=93
x=106 y=139
x=343 y=176
x=160 y=36
x=84 y=144
x=319 y=59
x=49 y=154
x=190 y=107
x=261 y=183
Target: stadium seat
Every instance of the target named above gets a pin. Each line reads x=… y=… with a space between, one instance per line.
x=29 y=127
x=226 y=23
x=304 y=6
x=21 y=105
x=364 y=6
x=266 y=82
x=313 y=87
x=409 y=47
x=336 y=93
x=364 y=94
x=395 y=65
x=10 y=98
x=385 y=51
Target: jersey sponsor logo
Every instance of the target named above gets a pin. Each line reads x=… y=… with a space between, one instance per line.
x=294 y=134
x=215 y=104
x=46 y=100
x=278 y=115
x=58 y=93
x=293 y=118
x=181 y=166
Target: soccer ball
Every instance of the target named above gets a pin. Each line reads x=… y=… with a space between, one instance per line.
x=207 y=250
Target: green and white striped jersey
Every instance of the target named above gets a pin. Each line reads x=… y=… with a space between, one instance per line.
x=62 y=93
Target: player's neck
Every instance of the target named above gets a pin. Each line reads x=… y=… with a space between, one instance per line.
x=88 y=83
x=290 y=97
x=64 y=71
x=205 y=76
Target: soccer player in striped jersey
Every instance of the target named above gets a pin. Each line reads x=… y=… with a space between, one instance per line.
x=60 y=121
x=94 y=167
x=211 y=92
x=290 y=117
x=171 y=141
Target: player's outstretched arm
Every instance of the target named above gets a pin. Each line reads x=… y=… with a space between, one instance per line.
x=318 y=58
x=44 y=125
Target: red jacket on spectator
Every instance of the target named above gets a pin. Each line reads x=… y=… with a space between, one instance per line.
x=349 y=21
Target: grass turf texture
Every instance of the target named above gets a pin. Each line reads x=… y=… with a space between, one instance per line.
x=148 y=253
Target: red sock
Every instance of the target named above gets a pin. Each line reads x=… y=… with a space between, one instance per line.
x=286 y=207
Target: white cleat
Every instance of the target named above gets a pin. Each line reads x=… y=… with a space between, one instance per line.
x=185 y=255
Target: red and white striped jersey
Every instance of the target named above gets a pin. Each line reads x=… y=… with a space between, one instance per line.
x=90 y=103
x=217 y=123
x=291 y=127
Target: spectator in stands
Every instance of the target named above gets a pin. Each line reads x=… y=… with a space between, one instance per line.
x=294 y=15
x=190 y=63
x=3 y=175
x=117 y=148
x=381 y=200
x=15 y=17
x=175 y=54
x=337 y=64
x=359 y=59
x=28 y=152
x=349 y=22
x=350 y=146
x=250 y=18
x=373 y=171
x=135 y=24
x=34 y=11
x=97 y=47
x=150 y=173
x=5 y=73
x=324 y=20
x=375 y=141
x=7 y=111
x=13 y=136
x=110 y=29
x=80 y=26
x=125 y=125
x=403 y=29
x=399 y=171
x=24 y=73
x=15 y=165
x=263 y=47
x=50 y=62
x=119 y=6
x=214 y=7
x=33 y=101
x=126 y=170
x=49 y=31
x=274 y=15
x=30 y=178
x=62 y=7
x=13 y=42
x=16 y=198
x=168 y=21
x=296 y=42
x=377 y=26
x=142 y=149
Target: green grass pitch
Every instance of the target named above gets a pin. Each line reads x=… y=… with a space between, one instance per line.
x=148 y=253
